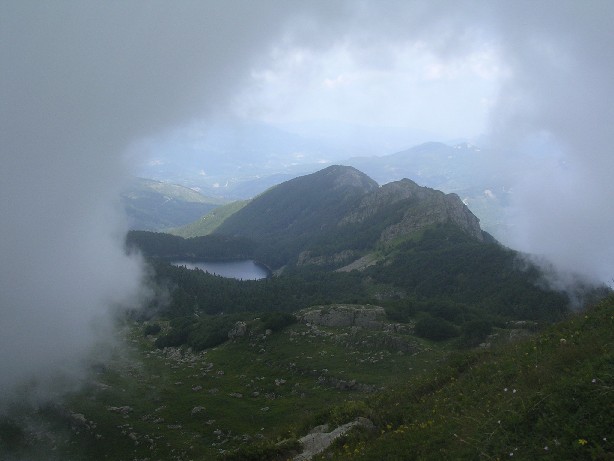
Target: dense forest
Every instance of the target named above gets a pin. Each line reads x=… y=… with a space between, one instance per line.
x=448 y=282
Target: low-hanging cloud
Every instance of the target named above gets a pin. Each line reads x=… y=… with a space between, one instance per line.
x=561 y=58
x=80 y=81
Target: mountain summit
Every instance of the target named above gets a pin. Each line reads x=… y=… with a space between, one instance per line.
x=339 y=214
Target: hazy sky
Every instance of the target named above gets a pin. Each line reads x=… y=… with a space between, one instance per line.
x=81 y=81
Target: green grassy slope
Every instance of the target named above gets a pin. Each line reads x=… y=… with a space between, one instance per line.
x=547 y=396
x=210 y=222
x=550 y=396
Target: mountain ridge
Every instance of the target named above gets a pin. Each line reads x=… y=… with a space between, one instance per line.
x=343 y=214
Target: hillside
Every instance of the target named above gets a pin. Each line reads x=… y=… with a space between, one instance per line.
x=399 y=243
x=154 y=205
x=208 y=223
x=276 y=387
x=338 y=215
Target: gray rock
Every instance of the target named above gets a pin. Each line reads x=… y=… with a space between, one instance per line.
x=319 y=439
x=238 y=330
x=345 y=315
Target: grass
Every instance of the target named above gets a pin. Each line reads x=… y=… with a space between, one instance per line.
x=550 y=396
x=177 y=404
x=546 y=396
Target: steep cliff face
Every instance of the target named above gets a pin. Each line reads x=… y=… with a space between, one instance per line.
x=422 y=208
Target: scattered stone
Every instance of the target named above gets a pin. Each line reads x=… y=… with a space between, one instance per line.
x=120 y=410
x=198 y=409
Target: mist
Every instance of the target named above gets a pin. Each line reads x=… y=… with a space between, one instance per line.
x=81 y=82
x=561 y=56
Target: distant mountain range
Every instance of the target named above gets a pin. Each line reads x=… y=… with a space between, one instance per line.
x=155 y=205
x=244 y=161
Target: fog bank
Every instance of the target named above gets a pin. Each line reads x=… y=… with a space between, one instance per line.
x=80 y=82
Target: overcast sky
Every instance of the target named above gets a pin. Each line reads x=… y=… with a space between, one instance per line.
x=81 y=81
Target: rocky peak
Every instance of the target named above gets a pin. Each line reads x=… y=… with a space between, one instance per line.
x=424 y=207
x=344 y=176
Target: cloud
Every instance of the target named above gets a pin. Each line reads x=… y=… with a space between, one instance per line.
x=80 y=82
x=560 y=56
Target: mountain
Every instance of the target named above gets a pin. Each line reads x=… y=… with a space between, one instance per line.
x=155 y=205
x=338 y=215
x=464 y=169
x=238 y=158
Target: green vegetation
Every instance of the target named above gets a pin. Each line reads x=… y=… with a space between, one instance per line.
x=540 y=396
x=290 y=217
x=435 y=328
x=446 y=264
x=209 y=247
x=546 y=397
x=210 y=222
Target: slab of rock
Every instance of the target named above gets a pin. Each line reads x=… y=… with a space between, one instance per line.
x=319 y=439
x=345 y=315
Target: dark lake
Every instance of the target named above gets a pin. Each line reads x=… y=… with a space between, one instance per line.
x=242 y=270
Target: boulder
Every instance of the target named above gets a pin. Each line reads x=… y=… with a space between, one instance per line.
x=238 y=330
x=319 y=439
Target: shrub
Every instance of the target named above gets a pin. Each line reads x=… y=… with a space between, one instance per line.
x=264 y=450
x=152 y=329
x=475 y=332
x=400 y=312
x=276 y=321
x=435 y=328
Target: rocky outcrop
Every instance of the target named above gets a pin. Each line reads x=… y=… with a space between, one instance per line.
x=238 y=330
x=344 y=315
x=422 y=207
x=360 y=264
x=321 y=437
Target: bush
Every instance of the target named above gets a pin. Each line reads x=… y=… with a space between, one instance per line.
x=276 y=321
x=152 y=329
x=178 y=334
x=264 y=450
x=475 y=332
x=209 y=332
x=401 y=312
x=435 y=328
